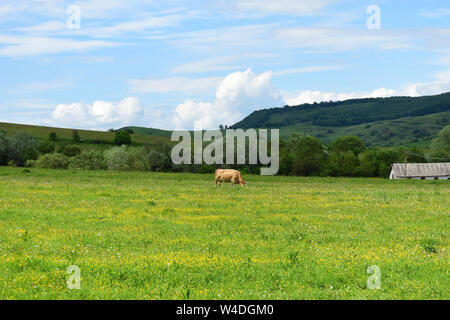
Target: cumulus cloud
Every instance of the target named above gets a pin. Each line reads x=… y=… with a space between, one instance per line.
x=237 y=95
x=414 y=90
x=99 y=114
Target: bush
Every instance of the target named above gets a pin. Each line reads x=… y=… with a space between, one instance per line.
x=90 y=160
x=71 y=151
x=53 y=136
x=137 y=159
x=22 y=147
x=157 y=161
x=4 y=146
x=122 y=138
x=116 y=158
x=51 y=161
x=76 y=136
x=46 y=147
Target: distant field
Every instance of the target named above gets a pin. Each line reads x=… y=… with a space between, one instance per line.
x=141 y=235
x=42 y=133
x=409 y=131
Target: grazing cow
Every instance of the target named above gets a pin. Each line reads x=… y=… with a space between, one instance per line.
x=229 y=175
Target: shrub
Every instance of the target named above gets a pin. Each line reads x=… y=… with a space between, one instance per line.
x=51 y=161
x=4 y=145
x=137 y=158
x=157 y=161
x=71 y=151
x=90 y=160
x=46 y=147
x=122 y=138
x=76 y=136
x=22 y=147
x=53 y=136
x=116 y=158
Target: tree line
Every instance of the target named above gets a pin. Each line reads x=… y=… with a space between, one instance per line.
x=299 y=156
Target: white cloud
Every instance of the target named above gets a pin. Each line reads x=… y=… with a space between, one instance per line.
x=438 y=13
x=442 y=84
x=237 y=95
x=136 y=26
x=48 y=26
x=34 y=87
x=206 y=65
x=219 y=63
x=309 y=96
x=173 y=84
x=309 y=69
x=99 y=114
x=289 y=7
x=16 y=46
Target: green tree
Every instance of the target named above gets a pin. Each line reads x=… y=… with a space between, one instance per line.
x=22 y=147
x=76 y=136
x=346 y=144
x=342 y=164
x=117 y=158
x=71 y=151
x=4 y=146
x=53 y=136
x=157 y=161
x=307 y=155
x=122 y=138
x=46 y=147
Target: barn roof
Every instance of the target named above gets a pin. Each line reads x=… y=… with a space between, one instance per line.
x=421 y=169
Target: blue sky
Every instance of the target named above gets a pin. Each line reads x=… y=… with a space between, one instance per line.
x=179 y=64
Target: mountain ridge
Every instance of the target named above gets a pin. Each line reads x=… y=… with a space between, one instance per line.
x=379 y=121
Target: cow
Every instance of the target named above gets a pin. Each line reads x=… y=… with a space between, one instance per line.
x=229 y=175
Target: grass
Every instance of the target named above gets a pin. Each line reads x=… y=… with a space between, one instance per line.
x=104 y=139
x=408 y=131
x=174 y=236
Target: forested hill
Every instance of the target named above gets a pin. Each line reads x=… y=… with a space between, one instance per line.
x=422 y=118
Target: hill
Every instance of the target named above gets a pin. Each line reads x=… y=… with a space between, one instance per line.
x=90 y=138
x=148 y=131
x=378 y=121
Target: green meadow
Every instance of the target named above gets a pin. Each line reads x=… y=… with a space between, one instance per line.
x=137 y=235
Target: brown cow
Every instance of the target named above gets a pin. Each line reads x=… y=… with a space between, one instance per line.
x=229 y=175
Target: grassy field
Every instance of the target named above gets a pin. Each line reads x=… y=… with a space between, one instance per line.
x=409 y=131
x=174 y=236
x=104 y=139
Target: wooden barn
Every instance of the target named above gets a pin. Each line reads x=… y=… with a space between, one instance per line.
x=426 y=171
